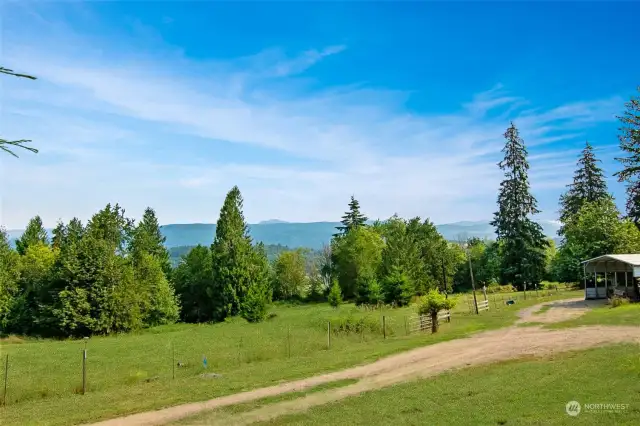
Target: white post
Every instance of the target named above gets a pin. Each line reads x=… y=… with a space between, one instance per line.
x=584 y=274
x=595 y=284
x=625 y=280
x=606 y=282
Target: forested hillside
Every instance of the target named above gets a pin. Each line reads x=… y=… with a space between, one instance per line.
x=112 y=274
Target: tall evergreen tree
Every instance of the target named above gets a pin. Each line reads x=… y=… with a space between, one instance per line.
x=75 y=231
x=353 y=218
x=588 y=185
x=147 y=238
x=59 y=235
x=629 y=138
x=232 y=255
x=254 y=304
x=35 y=233
x=523 y=242
x=112 y=226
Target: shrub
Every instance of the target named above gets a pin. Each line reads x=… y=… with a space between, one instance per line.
x=356 y=325
x=617 y=301
x=493 y=288
x=335 y=294
x=507 y=288
x=433 y=303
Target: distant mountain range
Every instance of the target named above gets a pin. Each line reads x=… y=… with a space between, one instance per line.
x=311 y=234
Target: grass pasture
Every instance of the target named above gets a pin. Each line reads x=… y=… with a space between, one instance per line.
x=605 y=315
x=133 y=373
x=519 y=392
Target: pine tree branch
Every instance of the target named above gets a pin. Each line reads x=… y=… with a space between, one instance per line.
x=19 y=143
x=11 y=72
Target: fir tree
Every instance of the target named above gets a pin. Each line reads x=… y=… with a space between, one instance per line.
x=148 y=239
x=629 y=138
x=254 y=304
x=352 y=218
x=522 y=239
x=59 y=235
x=35 y=233
x=335 y=294
x=232 y=256
x=588 y=185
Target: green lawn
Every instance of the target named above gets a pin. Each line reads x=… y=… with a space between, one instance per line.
x=523 y=392
x=605 y=315
x=133 y=373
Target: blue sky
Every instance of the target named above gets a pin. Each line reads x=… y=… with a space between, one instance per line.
x=301 y=104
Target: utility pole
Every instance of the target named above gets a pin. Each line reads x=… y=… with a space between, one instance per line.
x=473 y=283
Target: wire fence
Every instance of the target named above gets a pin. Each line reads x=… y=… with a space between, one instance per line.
x=46 y=369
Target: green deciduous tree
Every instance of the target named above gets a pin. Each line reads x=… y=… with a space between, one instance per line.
x=290 y=275
x=431 y=304
x=193 y=280
x=36 y=266
x=33 y=234
x=357 y=256
x=588 y=185
x=629 y=138
x=9 y=276
x=522 y=240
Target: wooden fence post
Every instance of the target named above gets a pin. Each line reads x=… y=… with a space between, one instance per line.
x=384 y=327
x=6 y=377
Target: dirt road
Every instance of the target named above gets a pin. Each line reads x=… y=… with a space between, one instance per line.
x=486 y=347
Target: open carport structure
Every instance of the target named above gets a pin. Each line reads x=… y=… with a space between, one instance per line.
x=612 y=274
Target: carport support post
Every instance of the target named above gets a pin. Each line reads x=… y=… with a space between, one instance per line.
x=584 y=274
x=606 y=284
x=625 y=280
x=595 y=283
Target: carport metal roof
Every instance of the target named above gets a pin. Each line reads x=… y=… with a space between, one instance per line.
x=613 y=263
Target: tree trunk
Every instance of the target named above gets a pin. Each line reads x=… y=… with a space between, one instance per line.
x=434 y=322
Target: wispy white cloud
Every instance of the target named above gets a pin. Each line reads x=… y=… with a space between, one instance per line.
x=114 y=127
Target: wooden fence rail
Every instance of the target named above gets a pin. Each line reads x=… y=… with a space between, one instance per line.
x=423 y=322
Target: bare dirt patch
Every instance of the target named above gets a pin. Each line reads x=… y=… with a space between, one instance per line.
x=557 y=311
x=486 y=347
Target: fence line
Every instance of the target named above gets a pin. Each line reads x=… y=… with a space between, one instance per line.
x=290 y=342
x=423 y=322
